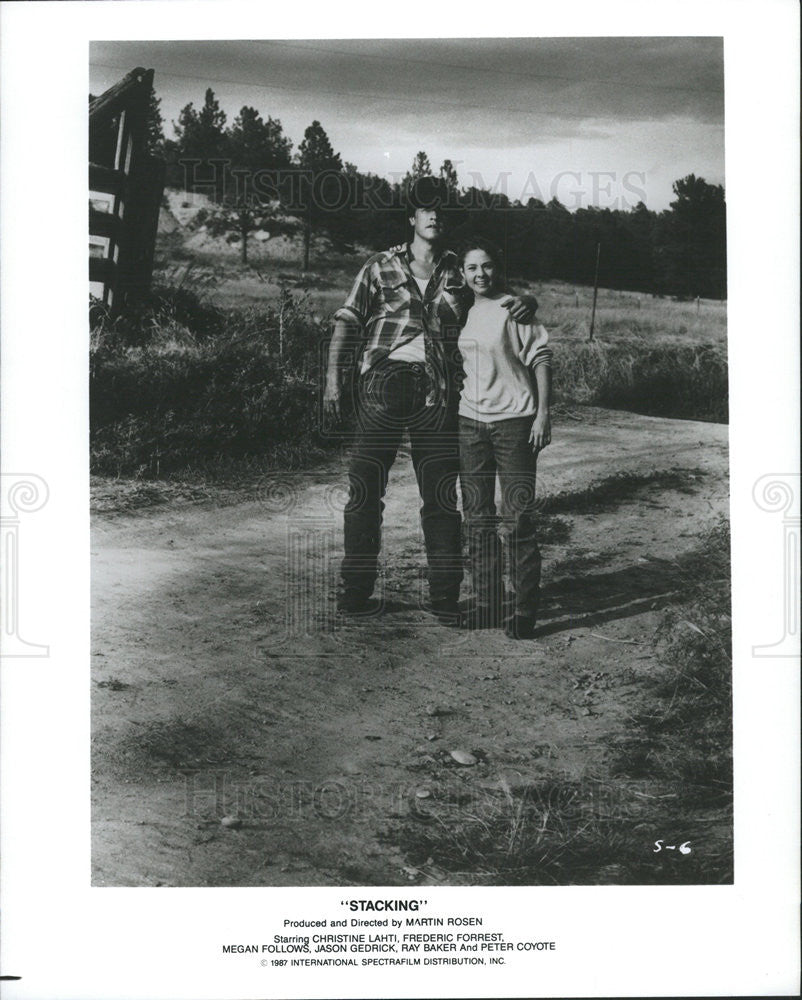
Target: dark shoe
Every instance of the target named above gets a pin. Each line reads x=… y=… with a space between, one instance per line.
x=520 y=627
x=357 y=604
x=445 y=610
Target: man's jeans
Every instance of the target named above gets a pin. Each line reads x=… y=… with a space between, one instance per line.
x=391 y=398
x=501 y=446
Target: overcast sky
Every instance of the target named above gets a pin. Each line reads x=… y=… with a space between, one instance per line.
x=517 y=112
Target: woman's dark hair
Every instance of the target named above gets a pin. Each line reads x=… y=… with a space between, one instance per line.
x=480 y=243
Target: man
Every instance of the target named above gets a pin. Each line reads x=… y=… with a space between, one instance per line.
x=404 y=312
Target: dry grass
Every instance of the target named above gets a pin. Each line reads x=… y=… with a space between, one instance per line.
x=563 y=832
x=565 y=310
x=684 y=729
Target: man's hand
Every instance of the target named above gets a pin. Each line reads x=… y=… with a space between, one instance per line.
x=541 y=431
x=332 y=401
x=522 y=307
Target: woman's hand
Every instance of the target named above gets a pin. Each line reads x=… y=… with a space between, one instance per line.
x=541 y=431
x=522 y=307
x=332 y=401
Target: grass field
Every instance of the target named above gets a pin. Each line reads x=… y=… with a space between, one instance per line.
x=564 y=309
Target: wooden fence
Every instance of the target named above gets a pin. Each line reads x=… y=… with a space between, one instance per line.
x=125 y=192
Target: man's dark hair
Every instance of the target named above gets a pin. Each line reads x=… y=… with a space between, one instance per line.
x=427 y=192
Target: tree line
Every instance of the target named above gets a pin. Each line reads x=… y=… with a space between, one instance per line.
x=256 y=181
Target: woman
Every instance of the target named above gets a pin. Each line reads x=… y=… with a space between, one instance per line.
x=503 y=423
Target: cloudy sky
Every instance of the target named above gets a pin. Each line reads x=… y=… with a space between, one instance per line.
x=605 y=121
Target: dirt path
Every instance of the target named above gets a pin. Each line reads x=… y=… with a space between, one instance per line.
x=224 y=684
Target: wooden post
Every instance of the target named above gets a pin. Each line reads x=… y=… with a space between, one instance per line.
x=595 y=292
x=308 y=227
x=244 y=224
x=282 y=303
x=124 y=214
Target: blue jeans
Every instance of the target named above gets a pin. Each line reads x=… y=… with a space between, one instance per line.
x=391 y=398
x=500 y=447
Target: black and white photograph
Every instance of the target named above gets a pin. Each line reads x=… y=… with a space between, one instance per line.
x=409 y=407
x=400 y=501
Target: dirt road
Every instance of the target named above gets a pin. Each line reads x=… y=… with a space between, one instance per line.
x=224 y=685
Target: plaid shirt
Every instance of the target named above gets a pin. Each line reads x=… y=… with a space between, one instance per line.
x=386 y=306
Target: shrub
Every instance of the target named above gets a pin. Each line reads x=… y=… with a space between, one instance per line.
x=170 y=390
x=667 y=380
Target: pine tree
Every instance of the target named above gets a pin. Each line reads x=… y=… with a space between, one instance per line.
x=201 y=135
x=316 y=153
x=258 y=144
x=317 y=158
x=448 y=173
x=692 y=240
x=154 y=126
x=253 y=146
x=421 y=167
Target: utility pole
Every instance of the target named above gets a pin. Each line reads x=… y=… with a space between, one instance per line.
x=595 y=292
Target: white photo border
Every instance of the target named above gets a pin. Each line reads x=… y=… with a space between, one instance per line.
x=67 y=939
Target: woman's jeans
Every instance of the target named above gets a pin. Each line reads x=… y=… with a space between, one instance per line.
x=503 y=447
x=391 y=399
